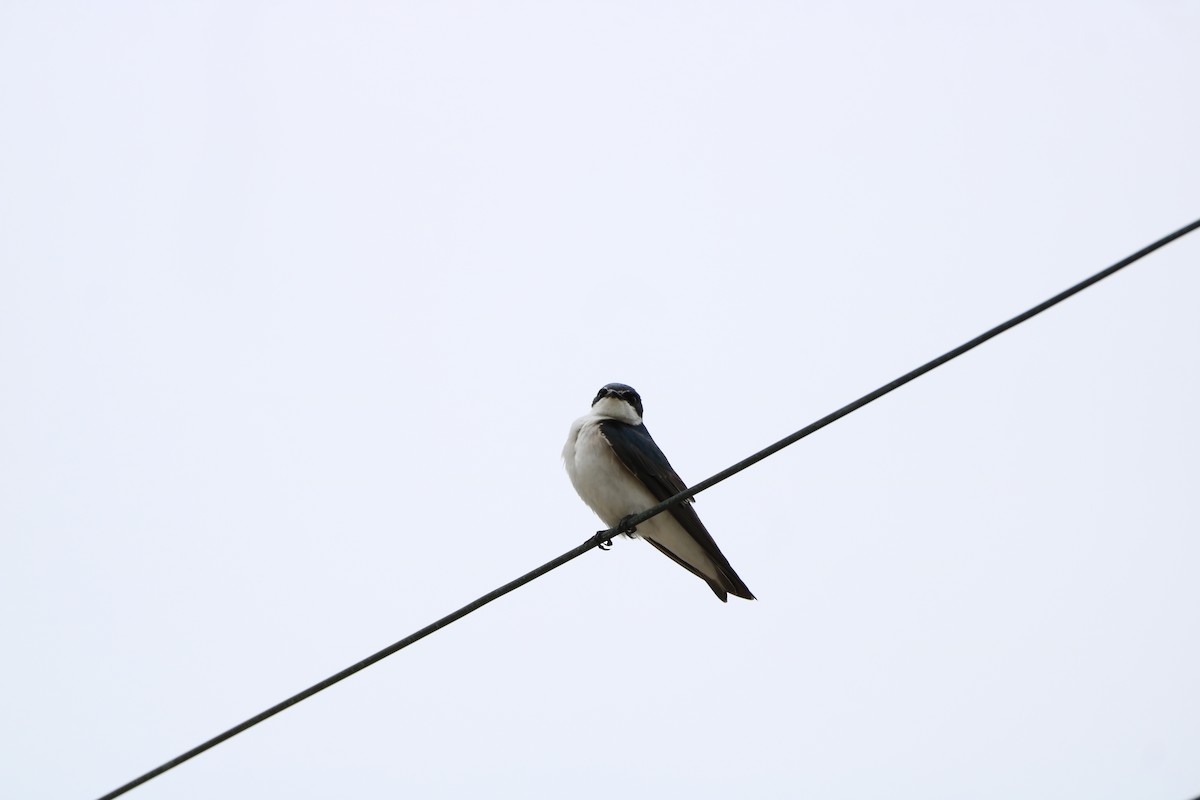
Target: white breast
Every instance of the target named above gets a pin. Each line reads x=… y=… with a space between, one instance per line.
x=599 y=477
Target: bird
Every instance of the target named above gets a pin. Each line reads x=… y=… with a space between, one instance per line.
x=618 y=470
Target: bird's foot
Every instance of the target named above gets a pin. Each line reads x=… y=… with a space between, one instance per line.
x=603 y=539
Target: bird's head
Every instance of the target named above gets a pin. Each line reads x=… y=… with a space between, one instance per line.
x=620 y=402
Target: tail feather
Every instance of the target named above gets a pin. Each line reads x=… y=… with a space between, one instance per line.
x=727 y=582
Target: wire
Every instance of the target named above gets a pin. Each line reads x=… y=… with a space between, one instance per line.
x=903 y=379
x=361 y=665
x=633 y=521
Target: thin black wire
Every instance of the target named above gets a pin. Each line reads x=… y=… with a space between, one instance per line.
x=903 y=379
x=361 y=665
x=633 y=521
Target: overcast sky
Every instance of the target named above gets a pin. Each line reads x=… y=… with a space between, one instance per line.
x=298 y=301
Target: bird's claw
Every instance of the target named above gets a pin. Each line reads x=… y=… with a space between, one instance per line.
x=604 y=538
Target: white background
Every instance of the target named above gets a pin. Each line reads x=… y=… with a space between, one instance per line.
x=298 y=300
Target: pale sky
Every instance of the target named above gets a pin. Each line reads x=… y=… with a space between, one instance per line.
x=298 y=301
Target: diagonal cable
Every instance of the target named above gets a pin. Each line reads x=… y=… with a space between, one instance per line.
x=903 y=379
x=636 y=519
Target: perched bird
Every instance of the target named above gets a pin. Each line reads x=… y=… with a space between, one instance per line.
x=619 y=471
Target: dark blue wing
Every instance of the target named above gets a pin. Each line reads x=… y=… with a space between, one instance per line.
x=634 y=447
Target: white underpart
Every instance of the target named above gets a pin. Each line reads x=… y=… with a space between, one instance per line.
x=612 y=491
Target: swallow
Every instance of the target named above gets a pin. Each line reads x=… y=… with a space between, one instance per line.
x=618 y=470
